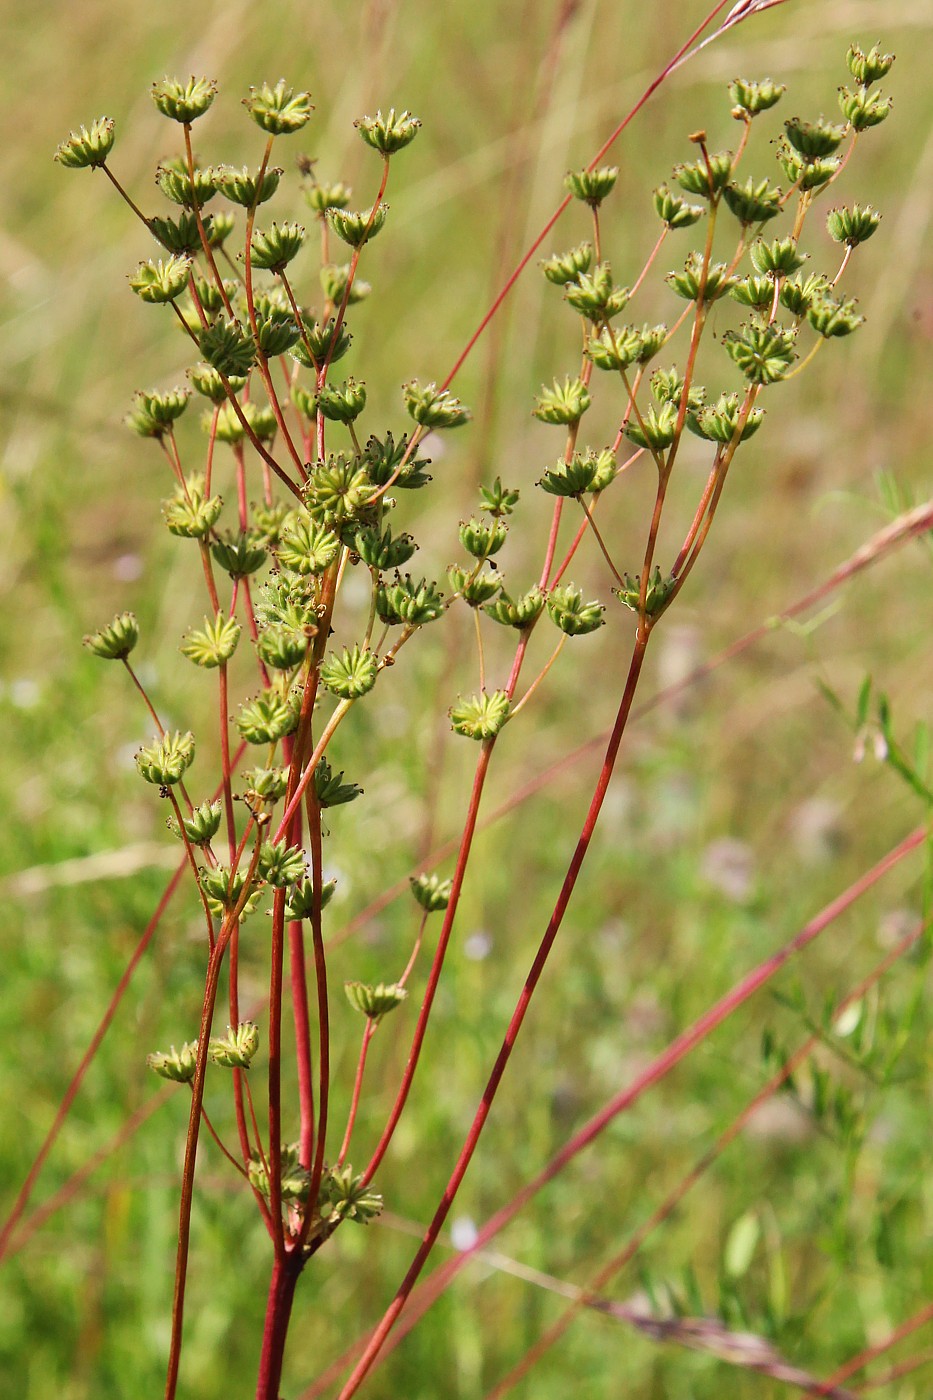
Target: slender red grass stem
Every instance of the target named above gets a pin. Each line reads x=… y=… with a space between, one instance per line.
x=903 y=1368
x=146 y=701
x=68 y=1098
x=864 y=1358
x=276 y=960
x=664 y=1211
x=682 y=53
x=70 y=1188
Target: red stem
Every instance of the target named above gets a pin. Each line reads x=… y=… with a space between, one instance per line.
x=320 y=977
x=191 y=1148
x=368 y=1033
x=275 y=1070
x=859 y=1362
x=286 y=1270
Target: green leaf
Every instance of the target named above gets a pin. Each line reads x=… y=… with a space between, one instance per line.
x=741 y=1244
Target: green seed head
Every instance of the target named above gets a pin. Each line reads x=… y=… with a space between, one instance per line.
x=115 y=641
x=433 y=407
x=357 y=227
x=176 y=1065
x=88 y=147
x=568 y=611
x=390 y=133
x=278 y=110
x=183 y=102
x=350 y=675
x=161 y=281
x=480 y=716
x=166 y=762
x=748 y=99
x=431 y=892
x=409 y=602
x=374 y=1001
x=237 y=1048
x=592 y=186
x=562 y=404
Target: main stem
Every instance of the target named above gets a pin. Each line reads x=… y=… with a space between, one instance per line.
x=286 y=1270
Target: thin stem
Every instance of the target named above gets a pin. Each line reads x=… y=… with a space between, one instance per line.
x=239 y=1076
x=600 y=541
x=597 y=246
x=665 y=230
x=414 y=952
x=226 y=774
x=194 y=1120
x=691 y=534
x=320 y=977
x=479 y=648
x=123 y=194
x=424 y=1013
x=209 y=458
x=351 y=274
x=193 y=865
x=202 y=232
x=308 y=774
x=516 y=709
x=844 y=264
x=146 y=701
x=299 y=319
x=551 y=548
x=227 y=1153
x=205 y=551
x=169 y=444
x=276 y=959
x=261 y=358
x=299 y=991
x=368 y=1032
x=256 y=1133
x=807 y=359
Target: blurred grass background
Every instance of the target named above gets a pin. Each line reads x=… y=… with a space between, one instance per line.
x=733 y=816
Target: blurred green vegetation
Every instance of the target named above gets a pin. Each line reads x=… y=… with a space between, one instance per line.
x=667 y=917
